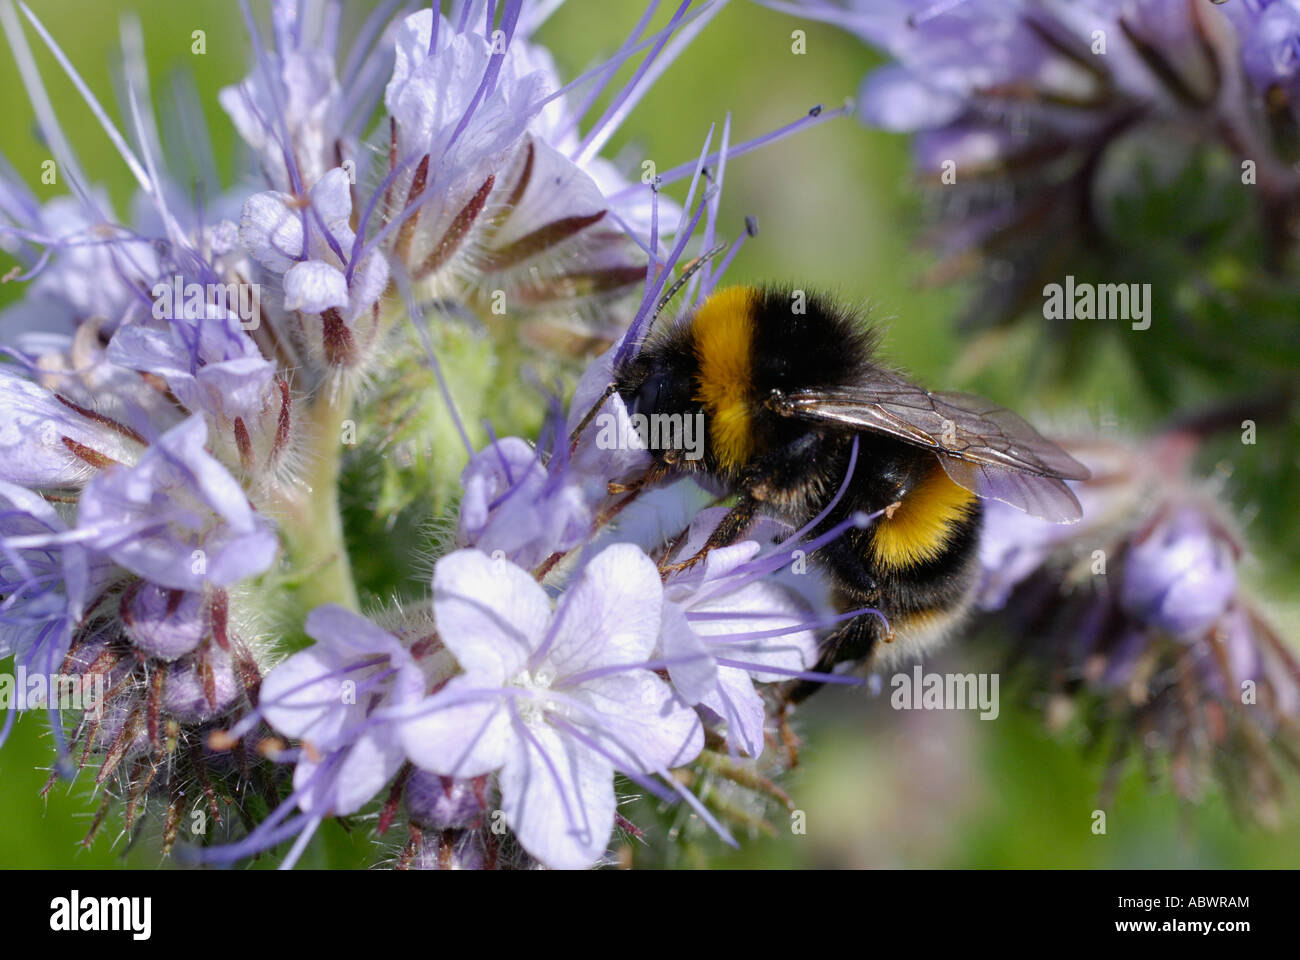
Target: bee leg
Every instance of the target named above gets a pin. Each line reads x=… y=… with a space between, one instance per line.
x=788 y=738
x=655 y=474
x=853 y=641
x=724 y=534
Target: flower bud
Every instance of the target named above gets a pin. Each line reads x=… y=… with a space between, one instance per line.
x=186 y=692
x=166 y=624
x=1180 y=576
x=443 y=803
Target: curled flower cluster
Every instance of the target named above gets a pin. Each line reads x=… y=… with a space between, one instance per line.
x=1138 y=620
x=1026 y=117
x=178 y=396
x=176 y=393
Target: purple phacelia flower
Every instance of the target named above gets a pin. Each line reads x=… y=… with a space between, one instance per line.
x=46 y=581
x=291 y=110
x=725 y=628
x=513 y=504
x=309 y=253
x=553 y=702
x=177 y=518
x=1180 y=573
x=50 y=442
x=326 y=696
x=1270 y=40
x=161 y=623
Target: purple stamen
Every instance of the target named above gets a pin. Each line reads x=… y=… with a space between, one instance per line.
x=813 y=118
x=813 y=675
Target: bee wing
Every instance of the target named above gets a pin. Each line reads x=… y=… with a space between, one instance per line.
x=1045 y=497
x=985 y=448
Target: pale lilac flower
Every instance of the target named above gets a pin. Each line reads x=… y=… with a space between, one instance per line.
x=554 y=702
x=325 y=696
x=48 y=442
x=1180 y=573
x=1025 y=103
x=161 y=623
x=208 y=361
x=1270 y=40
x=530 y=503
x=431 y=98
x=97 y=272
x=293 y=93
x=177 y=518
x=1138 y=613
x=723 y=625
x=165 y=436
x=512 y=504
x=309 y=251
x=44 y=585
x=476 y=194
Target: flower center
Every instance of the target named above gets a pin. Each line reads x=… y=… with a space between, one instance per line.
x=533 y=708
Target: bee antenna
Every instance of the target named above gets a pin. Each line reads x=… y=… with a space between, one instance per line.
x=589 y=416
x=691 y=270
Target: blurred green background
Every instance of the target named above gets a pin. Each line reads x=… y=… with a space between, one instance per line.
x=837 y=210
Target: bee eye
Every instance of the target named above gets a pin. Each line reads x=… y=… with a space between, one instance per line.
x=647 y=398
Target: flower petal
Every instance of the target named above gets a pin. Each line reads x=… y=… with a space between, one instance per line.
x=455 y=739
x=740 y=706
x=647 y=727
x=33 y=451
x=355 y=779
x=490 y=614
x=558 y=797
x=314 y=286
x=691 y=666
x=611 y=615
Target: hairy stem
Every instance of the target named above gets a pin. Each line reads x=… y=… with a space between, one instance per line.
x=319 y=568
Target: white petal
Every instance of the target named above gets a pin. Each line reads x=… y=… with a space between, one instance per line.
x=611 y=615
x=368 y=283
x=354 y=781
x=353 y=635
x=558 y=189
x=313 y=286
x=558 y=797
x=32 y=432
x=736 y=701
x=691 y=666
x=299 y=700
x=332 y=196
x=648 y=727
x=756 y=608
x=462 y=740
x=490 y=613
x=271 y=231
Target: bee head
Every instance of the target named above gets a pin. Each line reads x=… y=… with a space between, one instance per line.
x=656 y=381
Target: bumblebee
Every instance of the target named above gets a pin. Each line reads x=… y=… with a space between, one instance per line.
x=792 y=393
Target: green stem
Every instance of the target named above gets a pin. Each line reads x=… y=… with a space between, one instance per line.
x=319 y=568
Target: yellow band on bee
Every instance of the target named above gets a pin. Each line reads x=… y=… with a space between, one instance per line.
x=923 y=524
x=723 y=334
